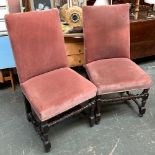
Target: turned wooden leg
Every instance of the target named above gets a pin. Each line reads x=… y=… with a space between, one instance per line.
x=97 y=111
x=44 y=136
x=28 y=109
x=92 y=114
x=142 y=108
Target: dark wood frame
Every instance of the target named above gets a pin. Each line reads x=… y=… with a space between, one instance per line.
x=31 y=3
x=42 y=128
x=124 y=96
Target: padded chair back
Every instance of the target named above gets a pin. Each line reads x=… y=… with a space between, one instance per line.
x=37 y=41
x=106 y=32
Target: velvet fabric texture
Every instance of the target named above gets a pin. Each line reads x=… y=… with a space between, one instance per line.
x=46 y=81
x=107 y=50
x=14 y=6
x=57 y=91
x=38 y=42
x=106 y=32
x=117 y=75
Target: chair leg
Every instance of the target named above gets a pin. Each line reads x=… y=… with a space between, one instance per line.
x=41 y=128
x=97 y=111
x=28 y=109
x=44 y=136
x=92 y=114
x=142 y=108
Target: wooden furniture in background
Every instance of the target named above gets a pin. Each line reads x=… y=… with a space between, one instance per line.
x=142 y=33
x=142 y=38
x=7 y=75
x=6 y=61
x=75 y=49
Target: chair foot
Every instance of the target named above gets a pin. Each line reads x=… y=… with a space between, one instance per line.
x=47 y=146
x=98 y=118
x=29 y=117
x=142 y=108
x=142 y=111
x=91 y=121
x=44 y=136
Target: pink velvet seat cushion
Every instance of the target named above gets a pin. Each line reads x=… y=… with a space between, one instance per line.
x=117 y=75
x=57 y=91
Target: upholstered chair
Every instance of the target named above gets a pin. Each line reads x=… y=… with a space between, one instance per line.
x=107 y=56
x=53 y=91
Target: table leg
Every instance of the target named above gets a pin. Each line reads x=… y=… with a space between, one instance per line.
x=12 y=79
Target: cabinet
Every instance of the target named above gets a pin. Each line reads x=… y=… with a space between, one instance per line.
x=75 y=49
x=142 y=37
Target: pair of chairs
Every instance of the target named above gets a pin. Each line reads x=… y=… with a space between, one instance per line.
x=53 y=91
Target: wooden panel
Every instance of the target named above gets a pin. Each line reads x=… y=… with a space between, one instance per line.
x=1 y=76
x=142 y=38
x=142 y=34
x=76 y=60
x=142 y=49
x=74 y=48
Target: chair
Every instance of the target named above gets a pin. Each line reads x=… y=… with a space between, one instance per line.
x=107 y=56
x=53 y=92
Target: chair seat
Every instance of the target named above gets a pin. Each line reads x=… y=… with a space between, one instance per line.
x=117 y=75
x=57 y=91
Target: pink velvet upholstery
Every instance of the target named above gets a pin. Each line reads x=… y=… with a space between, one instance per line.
x=106 y=32
x=107 y=50
x=37 y=42
x=57 y=91
x=46 y=81
x=14 y=6
x=117 y=75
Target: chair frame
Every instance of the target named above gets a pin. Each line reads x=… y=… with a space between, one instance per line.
x=42 y=127
x=124 y=96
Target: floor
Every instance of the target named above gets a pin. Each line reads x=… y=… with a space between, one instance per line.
x=121 y=131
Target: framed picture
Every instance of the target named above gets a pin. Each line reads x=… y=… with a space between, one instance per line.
x=70 y=3
x=41 y=4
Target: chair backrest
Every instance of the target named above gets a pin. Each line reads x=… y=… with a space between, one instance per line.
x=37 y=41
x=106 y=32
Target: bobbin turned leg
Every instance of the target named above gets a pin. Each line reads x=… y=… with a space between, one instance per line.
x=142 y=108
x=97 y=111
x=28 y=109
x=92 y=114
x=44 y=136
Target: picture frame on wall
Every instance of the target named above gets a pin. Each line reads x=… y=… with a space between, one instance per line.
x=39 y=5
